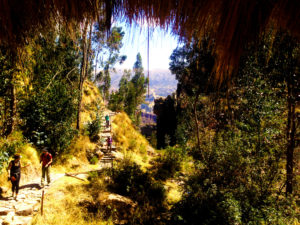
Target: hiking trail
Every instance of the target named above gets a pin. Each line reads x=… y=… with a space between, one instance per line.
x=28 y=203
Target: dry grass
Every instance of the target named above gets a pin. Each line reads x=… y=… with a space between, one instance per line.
x=91 y=100
x=75 y=159
x=61 y=205
x=29 y=158
x=174 y=192
x=230 y=23
x=130 y=142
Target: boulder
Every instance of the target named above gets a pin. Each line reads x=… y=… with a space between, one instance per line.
x=151 y=151
x=118 y=207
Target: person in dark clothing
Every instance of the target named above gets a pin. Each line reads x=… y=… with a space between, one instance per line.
x=14 y=169
x=109 y=143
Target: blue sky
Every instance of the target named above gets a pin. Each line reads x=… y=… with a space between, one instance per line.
x=161 y=43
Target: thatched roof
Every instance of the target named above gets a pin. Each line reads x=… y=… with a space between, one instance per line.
x=232 y=23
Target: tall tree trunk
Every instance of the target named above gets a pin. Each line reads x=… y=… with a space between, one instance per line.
x=197 y=124
x=82 y=72
x=291 y=130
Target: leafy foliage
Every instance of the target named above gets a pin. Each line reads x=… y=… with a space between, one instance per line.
x=94 y=127
x=131 y=92
x=129 y=180
x=9 y=146
x=166 y=166
x=49 y=112
x=166 y=124
x=239 y=157
x=109 y=49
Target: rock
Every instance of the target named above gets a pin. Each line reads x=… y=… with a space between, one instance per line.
x=3 y=190
x=5 y=211
x=20 y=220
x=24 y=210
x=117 y=206
x=75 y=165
x=6 y=222
x=8 y=219
x=99 y=154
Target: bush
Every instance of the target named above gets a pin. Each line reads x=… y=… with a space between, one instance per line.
x=170 y=163
x=47 y=118
x=94 y=128
x=206 y=206
x=129 y=180
x=94 y=160
x=234 y=186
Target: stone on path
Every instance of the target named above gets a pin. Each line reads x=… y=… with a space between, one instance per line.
x=8 y=219
x=24 y=210
x=5 y=211
x=20 y=220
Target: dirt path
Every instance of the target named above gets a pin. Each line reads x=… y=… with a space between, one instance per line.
x=21 y=211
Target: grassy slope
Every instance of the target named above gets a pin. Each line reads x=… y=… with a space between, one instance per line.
x=129 y=141
x=61 y=205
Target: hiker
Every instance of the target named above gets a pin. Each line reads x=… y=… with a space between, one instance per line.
x=46 y=160
x=109 y=143
x=14 y=169
x=107 y=121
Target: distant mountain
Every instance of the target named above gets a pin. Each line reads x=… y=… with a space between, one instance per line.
x=162 y=82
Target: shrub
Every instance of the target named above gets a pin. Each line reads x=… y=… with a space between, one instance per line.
x=234 y=186
x=129 y=180
x=94 y=128
x=94 y=160
x=170 y=163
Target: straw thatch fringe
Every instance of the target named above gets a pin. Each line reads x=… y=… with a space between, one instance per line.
x=231 y=23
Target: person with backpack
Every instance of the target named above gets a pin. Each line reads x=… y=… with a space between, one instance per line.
x=46 y=160
x=14 y=169
x=107 y=121
x=109 y=143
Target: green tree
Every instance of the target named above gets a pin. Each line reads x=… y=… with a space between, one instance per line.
x=239 y=176
x=107 y=55
x=131 y=93
x=284 y=65
x=50 y=110
x=166 y=122
x=192 y=65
